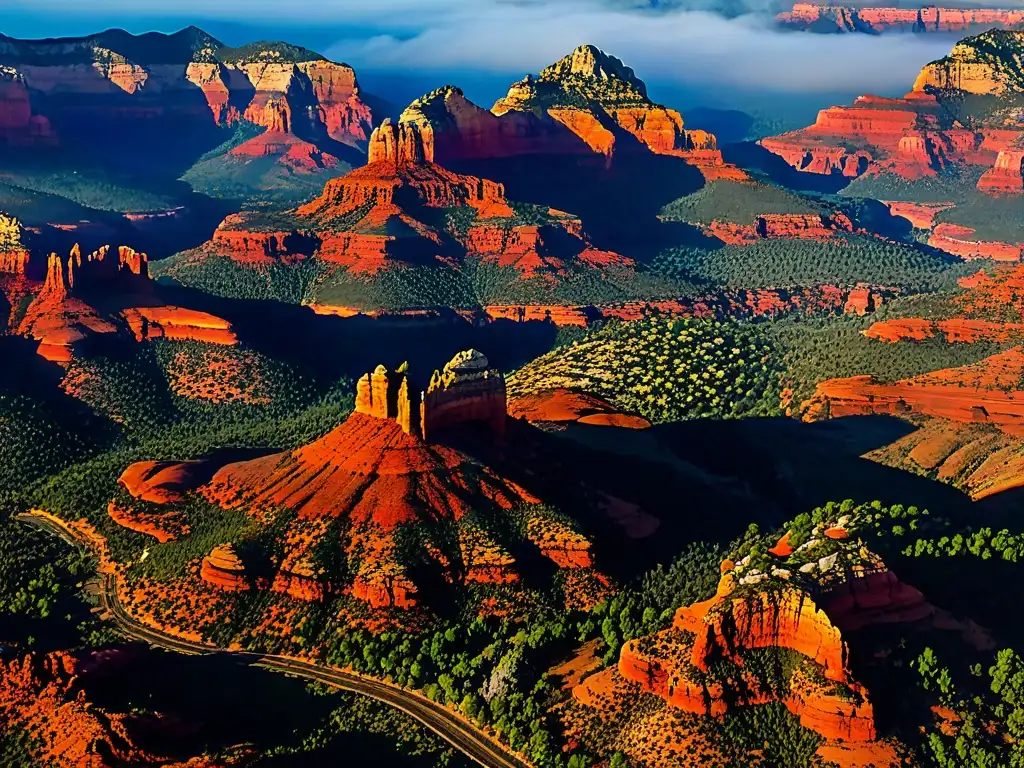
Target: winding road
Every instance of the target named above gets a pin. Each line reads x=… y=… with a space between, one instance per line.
x=441 y=721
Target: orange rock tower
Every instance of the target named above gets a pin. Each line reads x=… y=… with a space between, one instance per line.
x=466 y=390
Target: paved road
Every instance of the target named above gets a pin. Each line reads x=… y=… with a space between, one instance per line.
x=462 y=736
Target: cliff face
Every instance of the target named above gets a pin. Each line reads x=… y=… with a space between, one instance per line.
x=14 y=256
x=823 y=18
x=18 y=125
x=987 y=64
x=186 y=76
x=917 y=136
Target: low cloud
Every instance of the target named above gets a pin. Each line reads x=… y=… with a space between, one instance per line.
x=684 y=47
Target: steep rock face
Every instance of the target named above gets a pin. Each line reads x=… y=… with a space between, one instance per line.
x=188 y=75
x=987 y=64
x=911 y=137
x=18 y=125
x=824 y=18
x=1006 y=177
x=927 y=131
x=674 y=663
x=308 y=98
x=58 y=319
x=13 y=254
x=789 y=619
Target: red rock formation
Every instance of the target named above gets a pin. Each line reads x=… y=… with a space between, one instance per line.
x=178 y=323
x=911 y=137
x=164 y=526
x=224 y=569
x=978 y=393
x=956 y=239
x=920 y=215
x=163 y=482
x=18 y=125
x=957 y=330
x=821 y=17
x=13 y=254
x=564 y=405
x=674 y=663
x=41 y=696
x=1006 y=177
x=588 y=103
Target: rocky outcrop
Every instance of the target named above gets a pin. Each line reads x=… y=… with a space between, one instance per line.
x=224 y=569
x=983 y=65
x=164 y=482
x=957 y=330
x=1006 y=177
x=920 y=215
x=373 y=476
x=781 y=226
x=977 y=393
x=824 y=18
x=13 y=254
x=675 y=663
x=41 y=696
x=959 y=241
x=58 y=319
x=163 y=525
x=178 y=323
x=19 y=127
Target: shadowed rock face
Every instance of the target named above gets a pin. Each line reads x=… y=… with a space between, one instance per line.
x=588 y=103
x=186 y=76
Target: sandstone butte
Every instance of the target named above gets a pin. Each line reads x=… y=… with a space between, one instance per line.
x=389 y=465
x=42 y=696
x=588 y=104
x=60 y=316
x=914 y=136
x=821 y=17
x=286 y=90
x=378 y=215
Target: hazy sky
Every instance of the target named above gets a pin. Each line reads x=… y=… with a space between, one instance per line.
x=694 y=54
